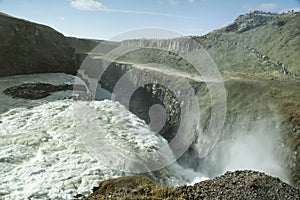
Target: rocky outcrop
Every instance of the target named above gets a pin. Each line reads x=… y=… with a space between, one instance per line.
x=120 y=185
x=249 y=21
x=39 y=90
x=177 y=44
x=232 y=185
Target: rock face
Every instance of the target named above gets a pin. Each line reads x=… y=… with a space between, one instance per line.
x=232 y=185
x=178 y=44
x=160 y=89
x=146 y=95
x=82 y=45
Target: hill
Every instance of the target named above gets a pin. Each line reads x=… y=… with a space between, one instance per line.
x=257 y=43
x=28 y=47
x=257 y=56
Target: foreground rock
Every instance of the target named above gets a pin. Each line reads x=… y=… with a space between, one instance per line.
x=241 y=185
x=39 y=90
x=231 y=185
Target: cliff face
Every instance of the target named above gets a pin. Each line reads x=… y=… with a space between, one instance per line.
x=251 y=102
x=146 y=95
x=245 y=53
x=27 y=48
x=31 y=48
x=178 y=44
x=82 y=45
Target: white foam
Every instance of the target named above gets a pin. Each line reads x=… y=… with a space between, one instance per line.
x=7 y=102
x=42 y=156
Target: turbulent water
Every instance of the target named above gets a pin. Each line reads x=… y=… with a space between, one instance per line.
x=43 y=156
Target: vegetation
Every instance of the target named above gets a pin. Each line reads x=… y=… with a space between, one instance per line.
x=28 y=47
x=255 y=86
x=278 y=37
x=231 y=185
x=143 y=56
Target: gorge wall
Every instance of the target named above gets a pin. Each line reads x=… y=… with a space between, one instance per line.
x=254 y=118
x=255 y=91
x=147 y=95
x=28 y=48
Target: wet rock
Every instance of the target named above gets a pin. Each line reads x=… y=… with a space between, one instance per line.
x=84 y=96
x=38 y=90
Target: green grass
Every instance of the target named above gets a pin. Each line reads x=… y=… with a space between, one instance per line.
x=144 y=56
x=279 y=43
x=254 y=87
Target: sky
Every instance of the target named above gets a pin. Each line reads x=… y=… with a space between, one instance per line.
x=104 y=19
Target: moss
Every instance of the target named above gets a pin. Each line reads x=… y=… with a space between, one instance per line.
x=131 y=187
x=231 y=185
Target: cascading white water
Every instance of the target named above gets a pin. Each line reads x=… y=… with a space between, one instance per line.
x=252 y=144
x=42 y=155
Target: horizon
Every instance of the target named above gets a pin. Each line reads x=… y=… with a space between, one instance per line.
x=103 y=19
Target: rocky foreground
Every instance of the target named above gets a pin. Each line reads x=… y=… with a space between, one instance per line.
x=232 y=185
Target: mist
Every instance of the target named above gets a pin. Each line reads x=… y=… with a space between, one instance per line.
x=249 y=145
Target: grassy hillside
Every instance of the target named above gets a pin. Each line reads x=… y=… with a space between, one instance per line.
x=278 y=38
x=31 y=48
x=275 y=36
x=258 y=57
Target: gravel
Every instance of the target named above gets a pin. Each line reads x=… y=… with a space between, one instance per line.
x=236 y=185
